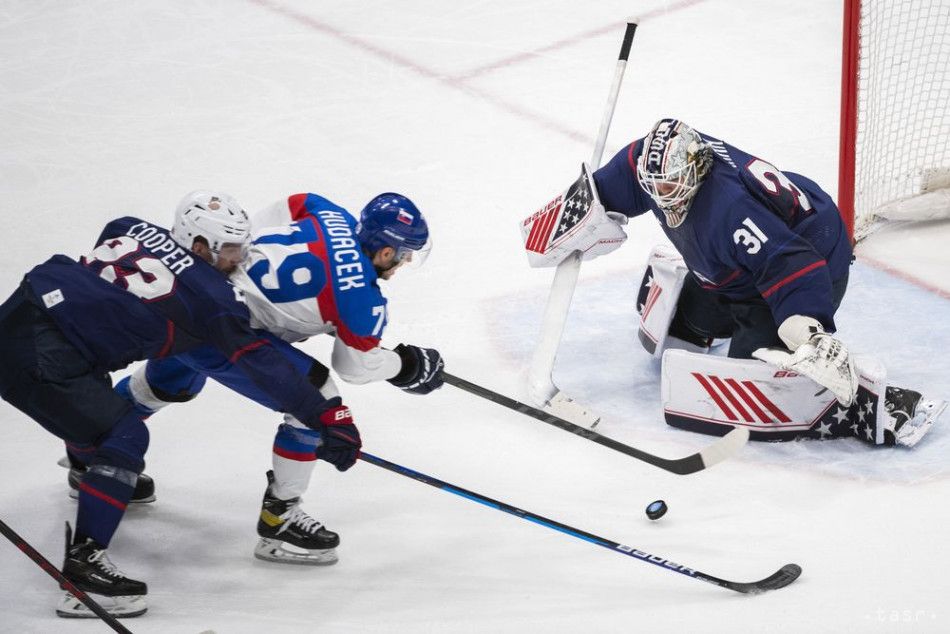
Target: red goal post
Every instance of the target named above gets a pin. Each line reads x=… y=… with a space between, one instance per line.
x=894 y=151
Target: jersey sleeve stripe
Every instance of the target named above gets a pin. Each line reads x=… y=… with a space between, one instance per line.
x=169 y=339
x=251 y=346
x=633 y=163
x=363 y=344
x=731 y=277
x=794 y=276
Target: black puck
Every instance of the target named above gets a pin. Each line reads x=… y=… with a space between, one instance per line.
x=656 y=510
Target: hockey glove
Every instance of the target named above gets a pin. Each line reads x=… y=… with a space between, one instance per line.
x=421 y=369
x=341 y=439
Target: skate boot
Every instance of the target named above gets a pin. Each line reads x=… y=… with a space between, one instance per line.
x=909 y=416
x=290 y=536
x=87 y=567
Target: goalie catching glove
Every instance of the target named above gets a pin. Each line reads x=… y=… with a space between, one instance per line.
x=421 y=370
x=815 y=354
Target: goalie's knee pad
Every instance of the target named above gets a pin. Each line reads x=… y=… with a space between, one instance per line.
x=711 y=395
x=656 y=301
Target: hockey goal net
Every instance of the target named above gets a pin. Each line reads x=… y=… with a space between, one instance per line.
x=895 y=112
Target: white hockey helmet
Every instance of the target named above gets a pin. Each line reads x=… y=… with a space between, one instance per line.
x=671 y=167
x=214 y=216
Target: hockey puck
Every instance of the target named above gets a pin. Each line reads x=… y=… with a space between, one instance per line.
x=656 y=510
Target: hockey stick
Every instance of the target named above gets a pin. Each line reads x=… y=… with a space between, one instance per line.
x=779 y=579
x=540 y=382
x=52 y=571
x=714 y=453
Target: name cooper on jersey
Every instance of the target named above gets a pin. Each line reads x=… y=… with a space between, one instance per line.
x=346 y=255
x=176 y=258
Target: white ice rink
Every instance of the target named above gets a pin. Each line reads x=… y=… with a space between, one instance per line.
x=480 y=111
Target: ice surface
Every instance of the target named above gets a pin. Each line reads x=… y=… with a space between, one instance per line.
x=480 y=112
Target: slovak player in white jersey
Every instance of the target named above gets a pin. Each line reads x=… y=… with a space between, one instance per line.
x=311 y=269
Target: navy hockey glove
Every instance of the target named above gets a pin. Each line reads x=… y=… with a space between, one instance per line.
x=421 y=369
x=341 y=439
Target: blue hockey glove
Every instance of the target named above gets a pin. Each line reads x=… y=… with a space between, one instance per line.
x=421 y=369
x=341 y=439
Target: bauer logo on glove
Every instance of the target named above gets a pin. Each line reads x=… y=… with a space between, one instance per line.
x=574 y=221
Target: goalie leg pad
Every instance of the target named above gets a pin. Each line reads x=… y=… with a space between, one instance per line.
x=711 y=395
x=658 y=296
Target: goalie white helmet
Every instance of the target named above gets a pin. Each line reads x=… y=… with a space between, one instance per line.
x=671 y=167
x=214 y=216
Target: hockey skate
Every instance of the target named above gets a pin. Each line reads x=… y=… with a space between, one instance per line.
x=290 y=536
x=909 y=416
x=87 y=566
x=144 y=485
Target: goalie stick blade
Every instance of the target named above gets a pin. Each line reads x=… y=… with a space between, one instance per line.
x=782 y=577
x=567 y=408
x=725 y=447
x=712 y=454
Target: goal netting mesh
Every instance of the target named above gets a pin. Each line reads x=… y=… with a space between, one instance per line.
x=902 y=150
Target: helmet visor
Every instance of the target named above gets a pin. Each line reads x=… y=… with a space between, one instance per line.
x=413 y=258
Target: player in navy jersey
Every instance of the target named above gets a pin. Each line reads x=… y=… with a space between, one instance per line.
x=311 y=269
x=142 y=292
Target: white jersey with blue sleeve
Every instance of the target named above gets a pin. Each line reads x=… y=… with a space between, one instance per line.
x=305 y=275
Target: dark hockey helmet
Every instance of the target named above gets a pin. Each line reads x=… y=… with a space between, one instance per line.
x=392 y=220
x=672 y=164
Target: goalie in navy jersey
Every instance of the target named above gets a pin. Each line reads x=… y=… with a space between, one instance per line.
x=761 y=259
x=311 y=269
x=767 y=251
x=142 y=292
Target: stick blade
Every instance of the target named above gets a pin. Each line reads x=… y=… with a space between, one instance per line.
x=564 y=407
x=779 y=579
x=726 y=447
x=714 y=453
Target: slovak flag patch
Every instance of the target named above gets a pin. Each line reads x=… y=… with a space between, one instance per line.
x=404 y=217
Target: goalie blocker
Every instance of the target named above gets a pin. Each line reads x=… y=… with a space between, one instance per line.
x=711 y=395
x=574 y=221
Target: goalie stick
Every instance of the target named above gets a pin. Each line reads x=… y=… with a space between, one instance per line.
x=64 y=583
x=540 y=382
x=712 y=454
x=779 y=579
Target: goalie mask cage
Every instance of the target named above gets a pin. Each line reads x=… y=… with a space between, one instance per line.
x=894 y=158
